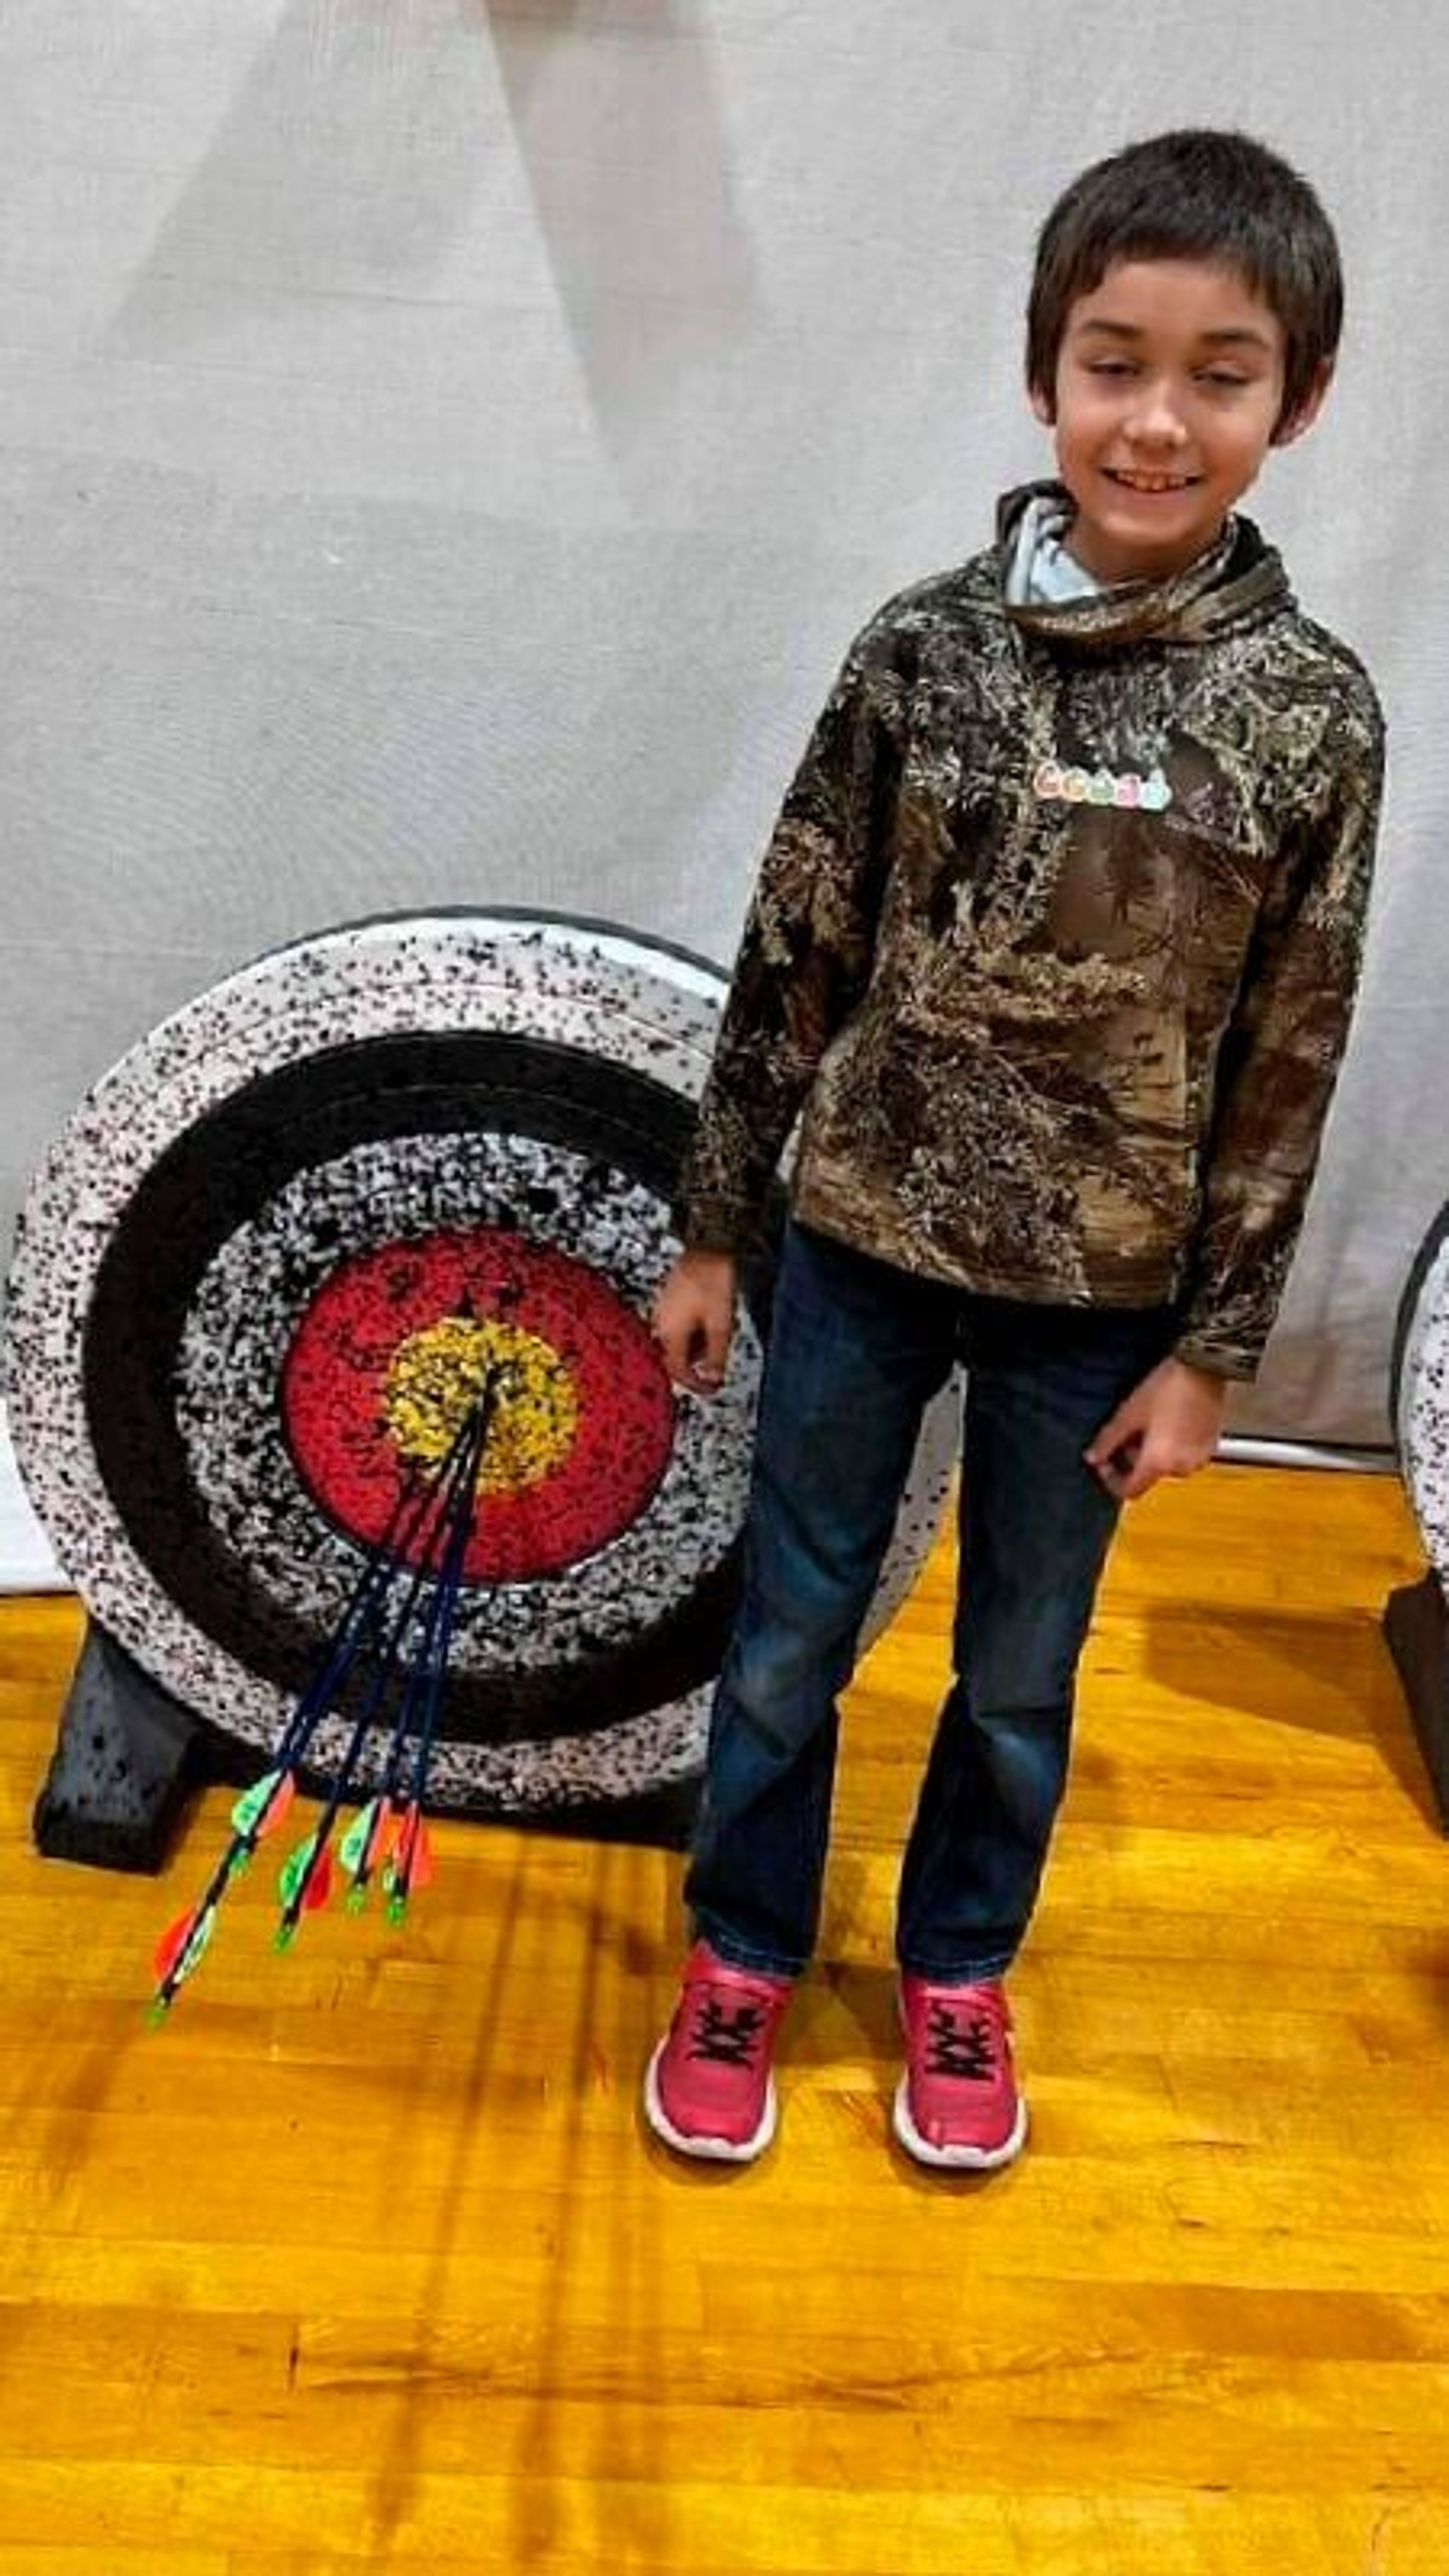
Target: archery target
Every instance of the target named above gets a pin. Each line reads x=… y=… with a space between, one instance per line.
x=1420 y=1392
x=275 y=1249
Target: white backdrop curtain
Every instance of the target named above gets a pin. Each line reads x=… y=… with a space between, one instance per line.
x=445 y=446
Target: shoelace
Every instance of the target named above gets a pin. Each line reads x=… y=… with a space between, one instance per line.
x=726 y=2037
x=962 y=2041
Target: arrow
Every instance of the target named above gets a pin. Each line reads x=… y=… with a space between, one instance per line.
x=179 y=1950
x=437 y=1518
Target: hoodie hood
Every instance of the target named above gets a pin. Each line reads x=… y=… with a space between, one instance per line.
x=1239 y=582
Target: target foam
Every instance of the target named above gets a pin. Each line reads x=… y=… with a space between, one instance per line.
x=276 y=1248
x=1420 y=1392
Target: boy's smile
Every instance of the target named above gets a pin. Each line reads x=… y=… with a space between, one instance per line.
x=1168 y=393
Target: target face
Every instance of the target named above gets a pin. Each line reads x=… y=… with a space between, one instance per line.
x=1420 y=1392
x=264 y=1274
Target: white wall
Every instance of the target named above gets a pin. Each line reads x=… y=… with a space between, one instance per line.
x=446 y=444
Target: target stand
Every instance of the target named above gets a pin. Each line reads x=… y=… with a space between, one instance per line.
x=125 y=1758
x=256 y=1275
x=1416 y=1618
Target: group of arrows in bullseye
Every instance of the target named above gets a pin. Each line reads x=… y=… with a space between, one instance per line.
x=393 y=1640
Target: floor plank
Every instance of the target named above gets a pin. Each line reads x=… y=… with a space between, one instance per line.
x=364 y=2262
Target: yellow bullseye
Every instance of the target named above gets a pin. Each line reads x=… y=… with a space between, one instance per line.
x=435 y=1375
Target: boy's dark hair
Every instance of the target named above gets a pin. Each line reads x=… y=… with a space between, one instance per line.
x=1199 y=195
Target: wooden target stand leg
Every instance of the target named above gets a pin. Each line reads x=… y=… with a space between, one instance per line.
x=1416 y=1625
x=125 y=1757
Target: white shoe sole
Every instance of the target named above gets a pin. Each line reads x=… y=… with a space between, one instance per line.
x=715 y=2151
x=954 y=2159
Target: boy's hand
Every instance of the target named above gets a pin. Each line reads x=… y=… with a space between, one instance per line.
x=694 y=1318
x=1168 y=1426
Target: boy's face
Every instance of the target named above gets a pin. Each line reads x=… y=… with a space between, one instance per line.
x=1169 y=385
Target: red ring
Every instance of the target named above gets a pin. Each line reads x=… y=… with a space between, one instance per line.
x=334 y=1381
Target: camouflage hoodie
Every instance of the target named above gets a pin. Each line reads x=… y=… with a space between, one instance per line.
x=1055 y=945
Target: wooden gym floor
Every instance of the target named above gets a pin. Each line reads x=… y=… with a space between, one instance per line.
x=363 y=2263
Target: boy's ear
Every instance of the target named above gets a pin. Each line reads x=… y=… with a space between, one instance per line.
x=1043 y=406
x=1308 y=410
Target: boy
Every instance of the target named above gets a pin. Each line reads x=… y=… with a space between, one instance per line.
x=1055 y=946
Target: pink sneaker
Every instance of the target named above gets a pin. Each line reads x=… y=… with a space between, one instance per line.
x=957 y=2102
x=709 y=2090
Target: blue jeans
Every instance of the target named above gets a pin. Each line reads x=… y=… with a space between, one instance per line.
x=857 y=1349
